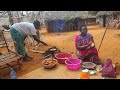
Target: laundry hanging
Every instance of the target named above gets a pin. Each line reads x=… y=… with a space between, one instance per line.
x=59 y=25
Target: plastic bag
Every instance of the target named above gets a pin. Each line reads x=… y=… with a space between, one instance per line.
x=108 y=69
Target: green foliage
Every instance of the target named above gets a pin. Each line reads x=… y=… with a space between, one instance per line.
x=67 y=18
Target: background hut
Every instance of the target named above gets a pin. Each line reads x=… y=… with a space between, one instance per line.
x=109 y=17
x=101 y=17
x=69 y=25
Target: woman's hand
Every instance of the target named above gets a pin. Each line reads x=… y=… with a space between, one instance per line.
x=88 y=47
x=89 y=44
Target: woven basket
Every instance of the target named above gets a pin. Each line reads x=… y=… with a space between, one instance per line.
x=49 y=66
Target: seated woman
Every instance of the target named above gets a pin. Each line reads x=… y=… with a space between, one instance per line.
x=85 y=46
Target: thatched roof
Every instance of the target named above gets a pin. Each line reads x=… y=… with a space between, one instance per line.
x=52 y=15
x=100 y=13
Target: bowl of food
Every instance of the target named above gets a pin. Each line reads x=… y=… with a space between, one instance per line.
x=88 y=65
x=49 y=63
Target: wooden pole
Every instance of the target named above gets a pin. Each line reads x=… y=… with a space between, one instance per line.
x=103 y=36
x=5 y=40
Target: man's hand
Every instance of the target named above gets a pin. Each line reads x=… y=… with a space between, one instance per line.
x=44 y=43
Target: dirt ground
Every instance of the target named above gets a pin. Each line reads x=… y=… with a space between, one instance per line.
x=65 y=42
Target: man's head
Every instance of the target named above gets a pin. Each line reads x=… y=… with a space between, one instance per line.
x=83 y=29
x=37 y=24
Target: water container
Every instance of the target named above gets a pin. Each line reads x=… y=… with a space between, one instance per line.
x=12 y=74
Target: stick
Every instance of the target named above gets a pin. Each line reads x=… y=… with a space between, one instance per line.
x=103 y=37
x=45 y=56
x=5 y=40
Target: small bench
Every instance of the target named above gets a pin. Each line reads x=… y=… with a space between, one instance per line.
x=7 y=59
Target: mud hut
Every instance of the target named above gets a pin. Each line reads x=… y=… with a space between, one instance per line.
x=101 y=17
x=109 y=17
x=71 y=20
x=69 y=25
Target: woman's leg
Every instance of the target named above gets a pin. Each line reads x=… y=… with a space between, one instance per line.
x=87 y=55
x=93 y=57
x=96 y=60
x=82 y=55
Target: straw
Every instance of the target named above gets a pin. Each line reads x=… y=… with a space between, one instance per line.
x=60 y=72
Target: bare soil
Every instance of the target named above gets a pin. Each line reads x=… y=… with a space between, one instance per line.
x=65 y=42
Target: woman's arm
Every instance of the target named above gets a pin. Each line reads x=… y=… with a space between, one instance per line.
x=80 y=47
x=92 y=40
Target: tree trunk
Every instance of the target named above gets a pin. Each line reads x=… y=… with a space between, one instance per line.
x=18 y=17
x=10 y=17
x=104 y=20
x=41 y=17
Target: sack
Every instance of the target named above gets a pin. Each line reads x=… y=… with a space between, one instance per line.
x=108 y=69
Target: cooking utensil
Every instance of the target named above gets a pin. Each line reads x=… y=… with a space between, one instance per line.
x=88 y=65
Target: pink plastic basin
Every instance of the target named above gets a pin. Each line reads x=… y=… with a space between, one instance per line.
x=73 y=63
x=61 y=57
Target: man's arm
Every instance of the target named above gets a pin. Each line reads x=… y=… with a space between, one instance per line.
x=35 y=38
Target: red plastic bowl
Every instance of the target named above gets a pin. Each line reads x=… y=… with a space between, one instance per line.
x=73 y=63
x=61 y=57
